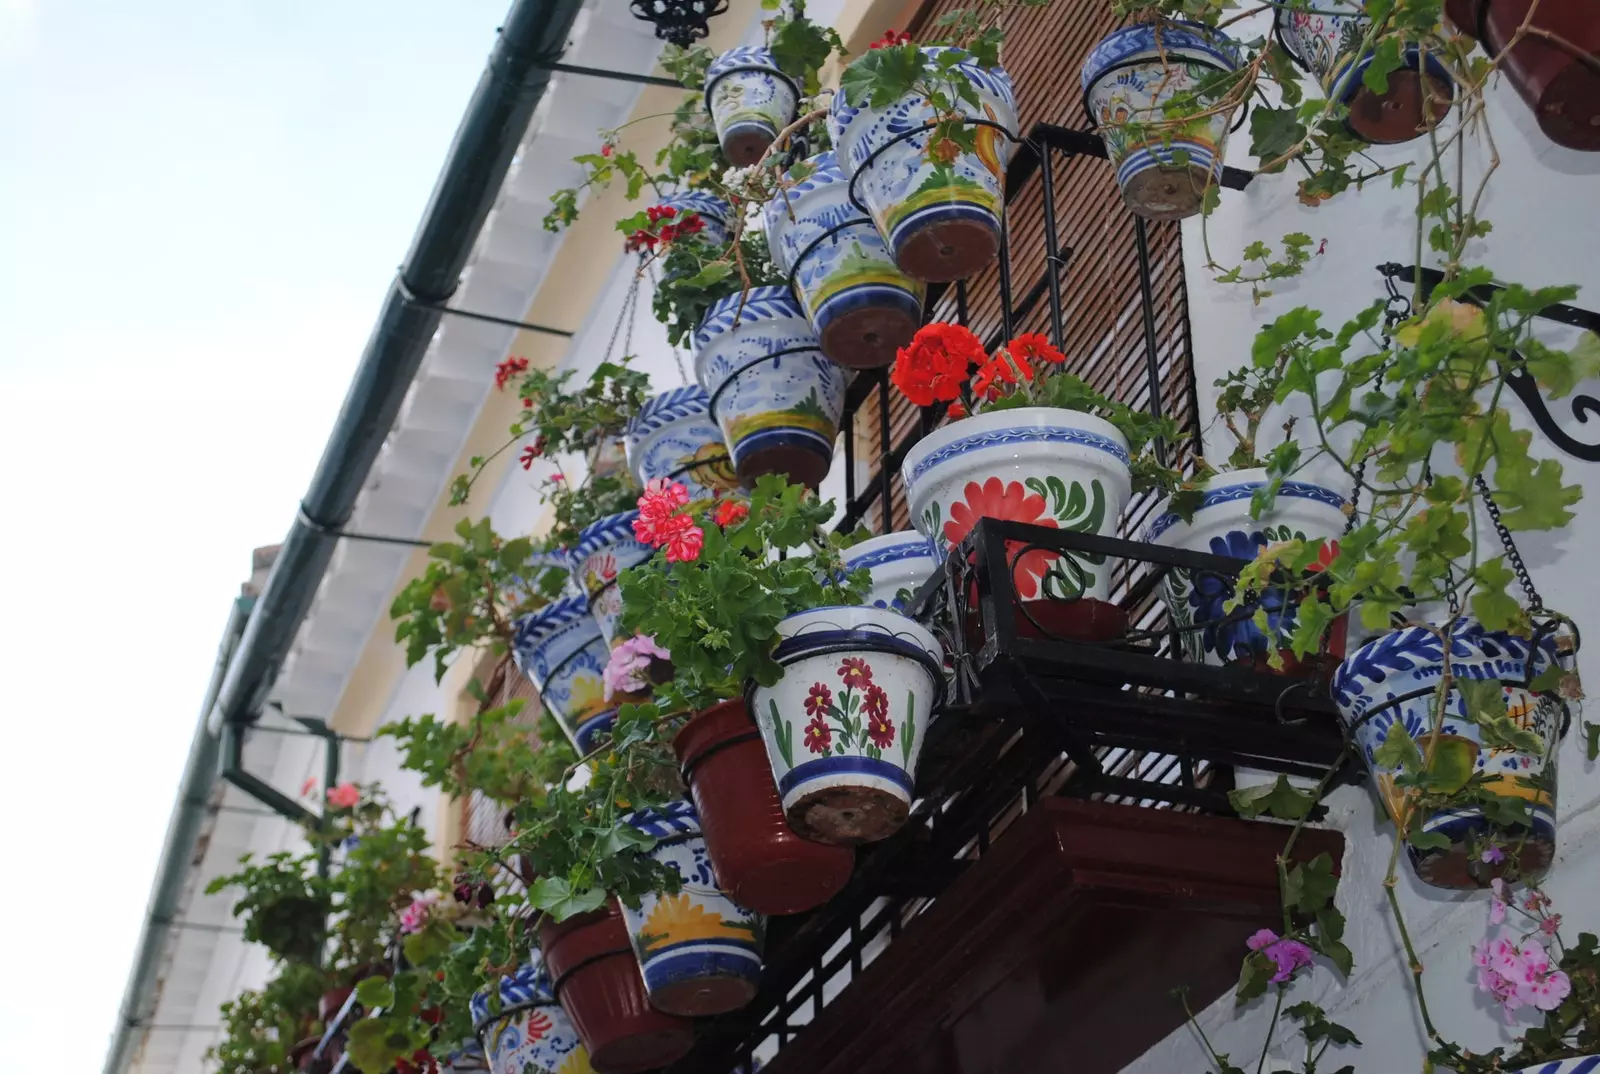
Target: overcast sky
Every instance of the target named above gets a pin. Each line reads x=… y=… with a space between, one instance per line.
x=201 y=205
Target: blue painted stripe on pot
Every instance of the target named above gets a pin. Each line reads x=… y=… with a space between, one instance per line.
x=804 y=773
x=742 y=56
x=613 y=529
x=1350 y=81
x=915 y=546
x=779 y=437
x=529 y=985
x=762 y=303
x=547 y=621
x=674 y=818
x=1143 y=159
x=867 y=296
x=1052 y=434
x=1294 y=490
x=698 y=201
x=697 y=960
x=662 y=410
x=1122 y=45
x=1585 y=1065
x=589 y=732
x=803 y=645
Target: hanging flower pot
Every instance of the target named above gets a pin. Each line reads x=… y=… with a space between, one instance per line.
x=1588 y=1064
x=712 y=211
x=757 y=858
x=1554 y=68
x=1127 y=81
x=898 y=562
x=1222 y=526
x=750 y=101
x=561 y=651
x=844 y=726
x=862 y=306
x=1327 y=44
x=604 y=550
x=530 y=1031
x=776 y=398
x=700 y=952
x=1050 y=467
x=675 y=437
x=940 y=216
x=594 y=974
x=1392 y=680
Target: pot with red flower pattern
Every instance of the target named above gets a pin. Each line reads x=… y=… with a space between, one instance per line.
x=844 y=724
x=776 y=398
x=1046 y=466
x=604 y=550
x=675 y=437
x=1163 y=167
x=1221 y=525
x=1387 y=693
x=562 y=652
x=699 y=951
x=528 y=1030
x=900 y=564
x=938 y=206
x=863 y=307
x=750 y=100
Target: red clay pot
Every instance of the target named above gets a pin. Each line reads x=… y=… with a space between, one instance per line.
x=1092 y=621
x=760 y=862
x=302 y=1056
x=596 y=978
x=1554 y=77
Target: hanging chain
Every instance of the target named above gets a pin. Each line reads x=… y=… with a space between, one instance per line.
x=630 y=305
x=1513 y=554
x=677 y=356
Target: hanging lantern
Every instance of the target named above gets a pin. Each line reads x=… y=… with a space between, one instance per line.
x=682 y=22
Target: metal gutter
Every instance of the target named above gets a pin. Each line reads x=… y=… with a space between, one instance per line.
x=514 y=81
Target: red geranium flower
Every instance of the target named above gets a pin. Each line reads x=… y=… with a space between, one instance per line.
x=956 y=410
x=890 y=39
x=606 y=149
x=819 y=736
x=731 y=511
x=1001 y=369
x=854 y=671
x=685 y=545
x=933 y=365
x=818 y=700
x=997 y=499
x=530 y=453
x=1036 y=347
x=508 y=369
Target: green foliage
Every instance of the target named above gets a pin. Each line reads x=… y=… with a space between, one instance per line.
x=1279 y=799
x=284 y=904
x=697 y=275
x=562 y=419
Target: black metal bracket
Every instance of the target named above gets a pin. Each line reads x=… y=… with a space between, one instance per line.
x=552 y=64
x=470 y=315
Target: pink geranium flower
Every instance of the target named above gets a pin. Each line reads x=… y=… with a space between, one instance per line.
x=344 y=796
x=1287 y=955
x=1519 y=975
x=624 y=672
x=413 y=917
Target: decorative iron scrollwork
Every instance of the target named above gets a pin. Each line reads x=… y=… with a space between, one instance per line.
x=682 y=22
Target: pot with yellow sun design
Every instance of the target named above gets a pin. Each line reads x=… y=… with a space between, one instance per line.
x=675 y=437
x=699 y=951
x=528 y=1032
x=562 y=652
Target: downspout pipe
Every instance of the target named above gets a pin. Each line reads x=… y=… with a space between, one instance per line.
x=514 y=81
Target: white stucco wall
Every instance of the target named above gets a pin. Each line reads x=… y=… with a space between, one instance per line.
x=1545 y=205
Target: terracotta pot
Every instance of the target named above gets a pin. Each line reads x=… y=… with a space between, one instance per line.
x=1558 y=81
x=759 y=861
x=332 y=1002
x=596 y=977
x=1087 y=620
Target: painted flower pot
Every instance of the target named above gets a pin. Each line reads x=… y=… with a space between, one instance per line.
x=1392 y=680
x=529 y=1031
x=595 y=975
x=1222 y=526
x=604 y=550
x=862 y=306
x=1327 y=44
x=844 y=725
x=1128 y=79
x=1554 y=75
x=1049 y=467
x=898 y=562
x=1588 y=1064
x=700 y=952
x=750 y=101
x=675 y=437
x=757 y=858
x=940 y=217
x=776 y=398
x=712 y=211
x=562 y=652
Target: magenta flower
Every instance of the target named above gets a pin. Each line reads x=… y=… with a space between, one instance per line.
x=344 y=796
x=1287 y=955
x=624 y=671
x=1492 y=855
x=413 y=917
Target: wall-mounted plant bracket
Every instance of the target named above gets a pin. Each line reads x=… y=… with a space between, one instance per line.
x=1518 y=380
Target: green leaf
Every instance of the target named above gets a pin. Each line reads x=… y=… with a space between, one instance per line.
x=1279 y=799
x=1399 y=750
x=1429 y=841
x=1254 y=974
x=1274 y=132
x=556 y=897
x=374 y=992
x=1495 y=608
x=1311 y=885
x=1454 y=761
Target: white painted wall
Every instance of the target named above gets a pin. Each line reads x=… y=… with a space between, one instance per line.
x=1545 y=205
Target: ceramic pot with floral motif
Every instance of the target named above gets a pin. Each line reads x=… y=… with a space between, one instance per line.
x=750 y=101
x=1046 y=466
x=1326 y=42
x=605 y=549
x=900 y=564
x=939 y=211
x=863 y=307
x=699 y=951
x=1393 y=681
x=845 y=724
x=1587 y=1064
x=528 y=1031
x=1128 y=79
x=562 y=652
x=675 y=438
x=777 y=399
x=1222 y=526
x=1553 y=70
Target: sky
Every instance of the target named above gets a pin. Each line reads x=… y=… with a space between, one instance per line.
x=202 y=203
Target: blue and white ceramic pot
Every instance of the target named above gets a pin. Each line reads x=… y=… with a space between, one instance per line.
x=604 y=550
x=675 y=437
x=750 y=101
x=863 y=307
x=712 y=211
x=1588 y=1064
x=1046 y=466
x=562 y=652
x=844 y=725
x=700 y=952
x=1162 y=167
x=530 y=1031
x=1393 y=680
x=776 y=398
x=900 y=564
x=1222 y=526
x=939 y=212
x=1327 y=43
